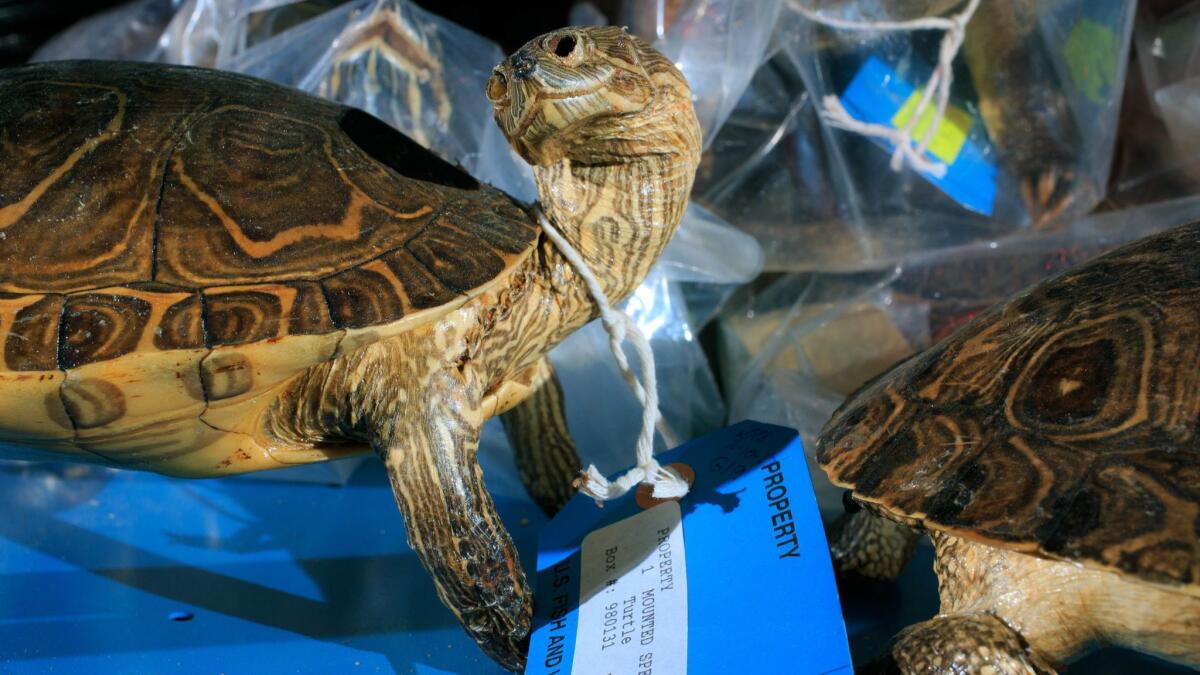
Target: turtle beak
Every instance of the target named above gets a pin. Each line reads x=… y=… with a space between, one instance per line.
x=565 y=81
x=514 y=99
x=498 y=93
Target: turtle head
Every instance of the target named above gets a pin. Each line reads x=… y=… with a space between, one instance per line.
x=607 y=122
x=593 y=94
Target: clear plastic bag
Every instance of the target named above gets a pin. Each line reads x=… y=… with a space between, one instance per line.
x=718 y=44
x=128 y=32
x=414 y=70
x=1029 y=128
x=193 y=37
x=707 y=250
x=1026 y=138
x=708 y=259
x=767 y=172
x=1159 y=136
x=792 y=352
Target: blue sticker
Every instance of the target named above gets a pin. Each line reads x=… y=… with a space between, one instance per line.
x=735 y=577
x=877 y=95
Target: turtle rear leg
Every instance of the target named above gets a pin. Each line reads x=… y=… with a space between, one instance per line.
x=452 y=522
x=871 y=546
x=1047 y=195
x=547 y=459
x=1063 y=608
x=964 y=643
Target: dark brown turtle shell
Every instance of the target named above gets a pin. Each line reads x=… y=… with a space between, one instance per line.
x=1065 y=422
x=117 y=174
x=175 y=237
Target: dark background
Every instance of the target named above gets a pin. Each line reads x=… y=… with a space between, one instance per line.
x=25 y=24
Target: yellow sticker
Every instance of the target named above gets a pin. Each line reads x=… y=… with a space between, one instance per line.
x=951 y=132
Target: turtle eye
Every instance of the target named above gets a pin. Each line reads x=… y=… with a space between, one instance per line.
x=497 y=87
x=562 y=46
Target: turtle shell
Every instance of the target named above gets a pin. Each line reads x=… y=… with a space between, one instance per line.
x=1064 y=423
x=175 y=238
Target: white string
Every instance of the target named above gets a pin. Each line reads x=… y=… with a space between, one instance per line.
x=666 y=482
x=940 y=80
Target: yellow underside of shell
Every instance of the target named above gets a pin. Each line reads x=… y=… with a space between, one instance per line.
x=187 y=412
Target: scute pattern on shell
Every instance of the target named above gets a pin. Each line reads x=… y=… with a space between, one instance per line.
x=1065 y=422
x=279 y=213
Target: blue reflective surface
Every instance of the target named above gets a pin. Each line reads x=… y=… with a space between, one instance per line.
x=100 y=570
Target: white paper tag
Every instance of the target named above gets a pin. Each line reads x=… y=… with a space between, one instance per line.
x=633 y=581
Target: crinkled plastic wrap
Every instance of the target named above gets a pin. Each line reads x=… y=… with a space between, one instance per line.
x=793 y=351
x=414 y=70
x=765 y=166
x=767 y=171
x=1159 y=137
x=718 y=44
x=708 y=259
x=1027 y=137
x=426 y=76
x=129 y=32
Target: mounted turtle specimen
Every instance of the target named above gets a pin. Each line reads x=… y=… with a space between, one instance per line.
x=1051 y=449
x=204 y=274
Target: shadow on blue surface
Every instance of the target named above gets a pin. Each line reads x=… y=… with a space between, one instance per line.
x=277 y=577
x=281 y=577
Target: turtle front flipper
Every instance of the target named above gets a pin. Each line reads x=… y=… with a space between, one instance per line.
x=452 y=522
x=547 y=459
x=964 y=643
x=871 y=546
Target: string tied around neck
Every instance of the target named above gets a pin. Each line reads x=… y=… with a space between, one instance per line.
x=665 y=482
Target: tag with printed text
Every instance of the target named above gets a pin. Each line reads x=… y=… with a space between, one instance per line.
x=735 y=577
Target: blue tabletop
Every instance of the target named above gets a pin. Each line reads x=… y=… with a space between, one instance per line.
x=112 y=571
x=121 y=572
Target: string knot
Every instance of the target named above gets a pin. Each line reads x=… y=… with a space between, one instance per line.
x=939 y=82
x=666 y=483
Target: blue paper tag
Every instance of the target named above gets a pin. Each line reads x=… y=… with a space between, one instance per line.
x=735 y=577
x=877 y=95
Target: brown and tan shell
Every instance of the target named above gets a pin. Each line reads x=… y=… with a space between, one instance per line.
x=192 y=238
x=1064 y=423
